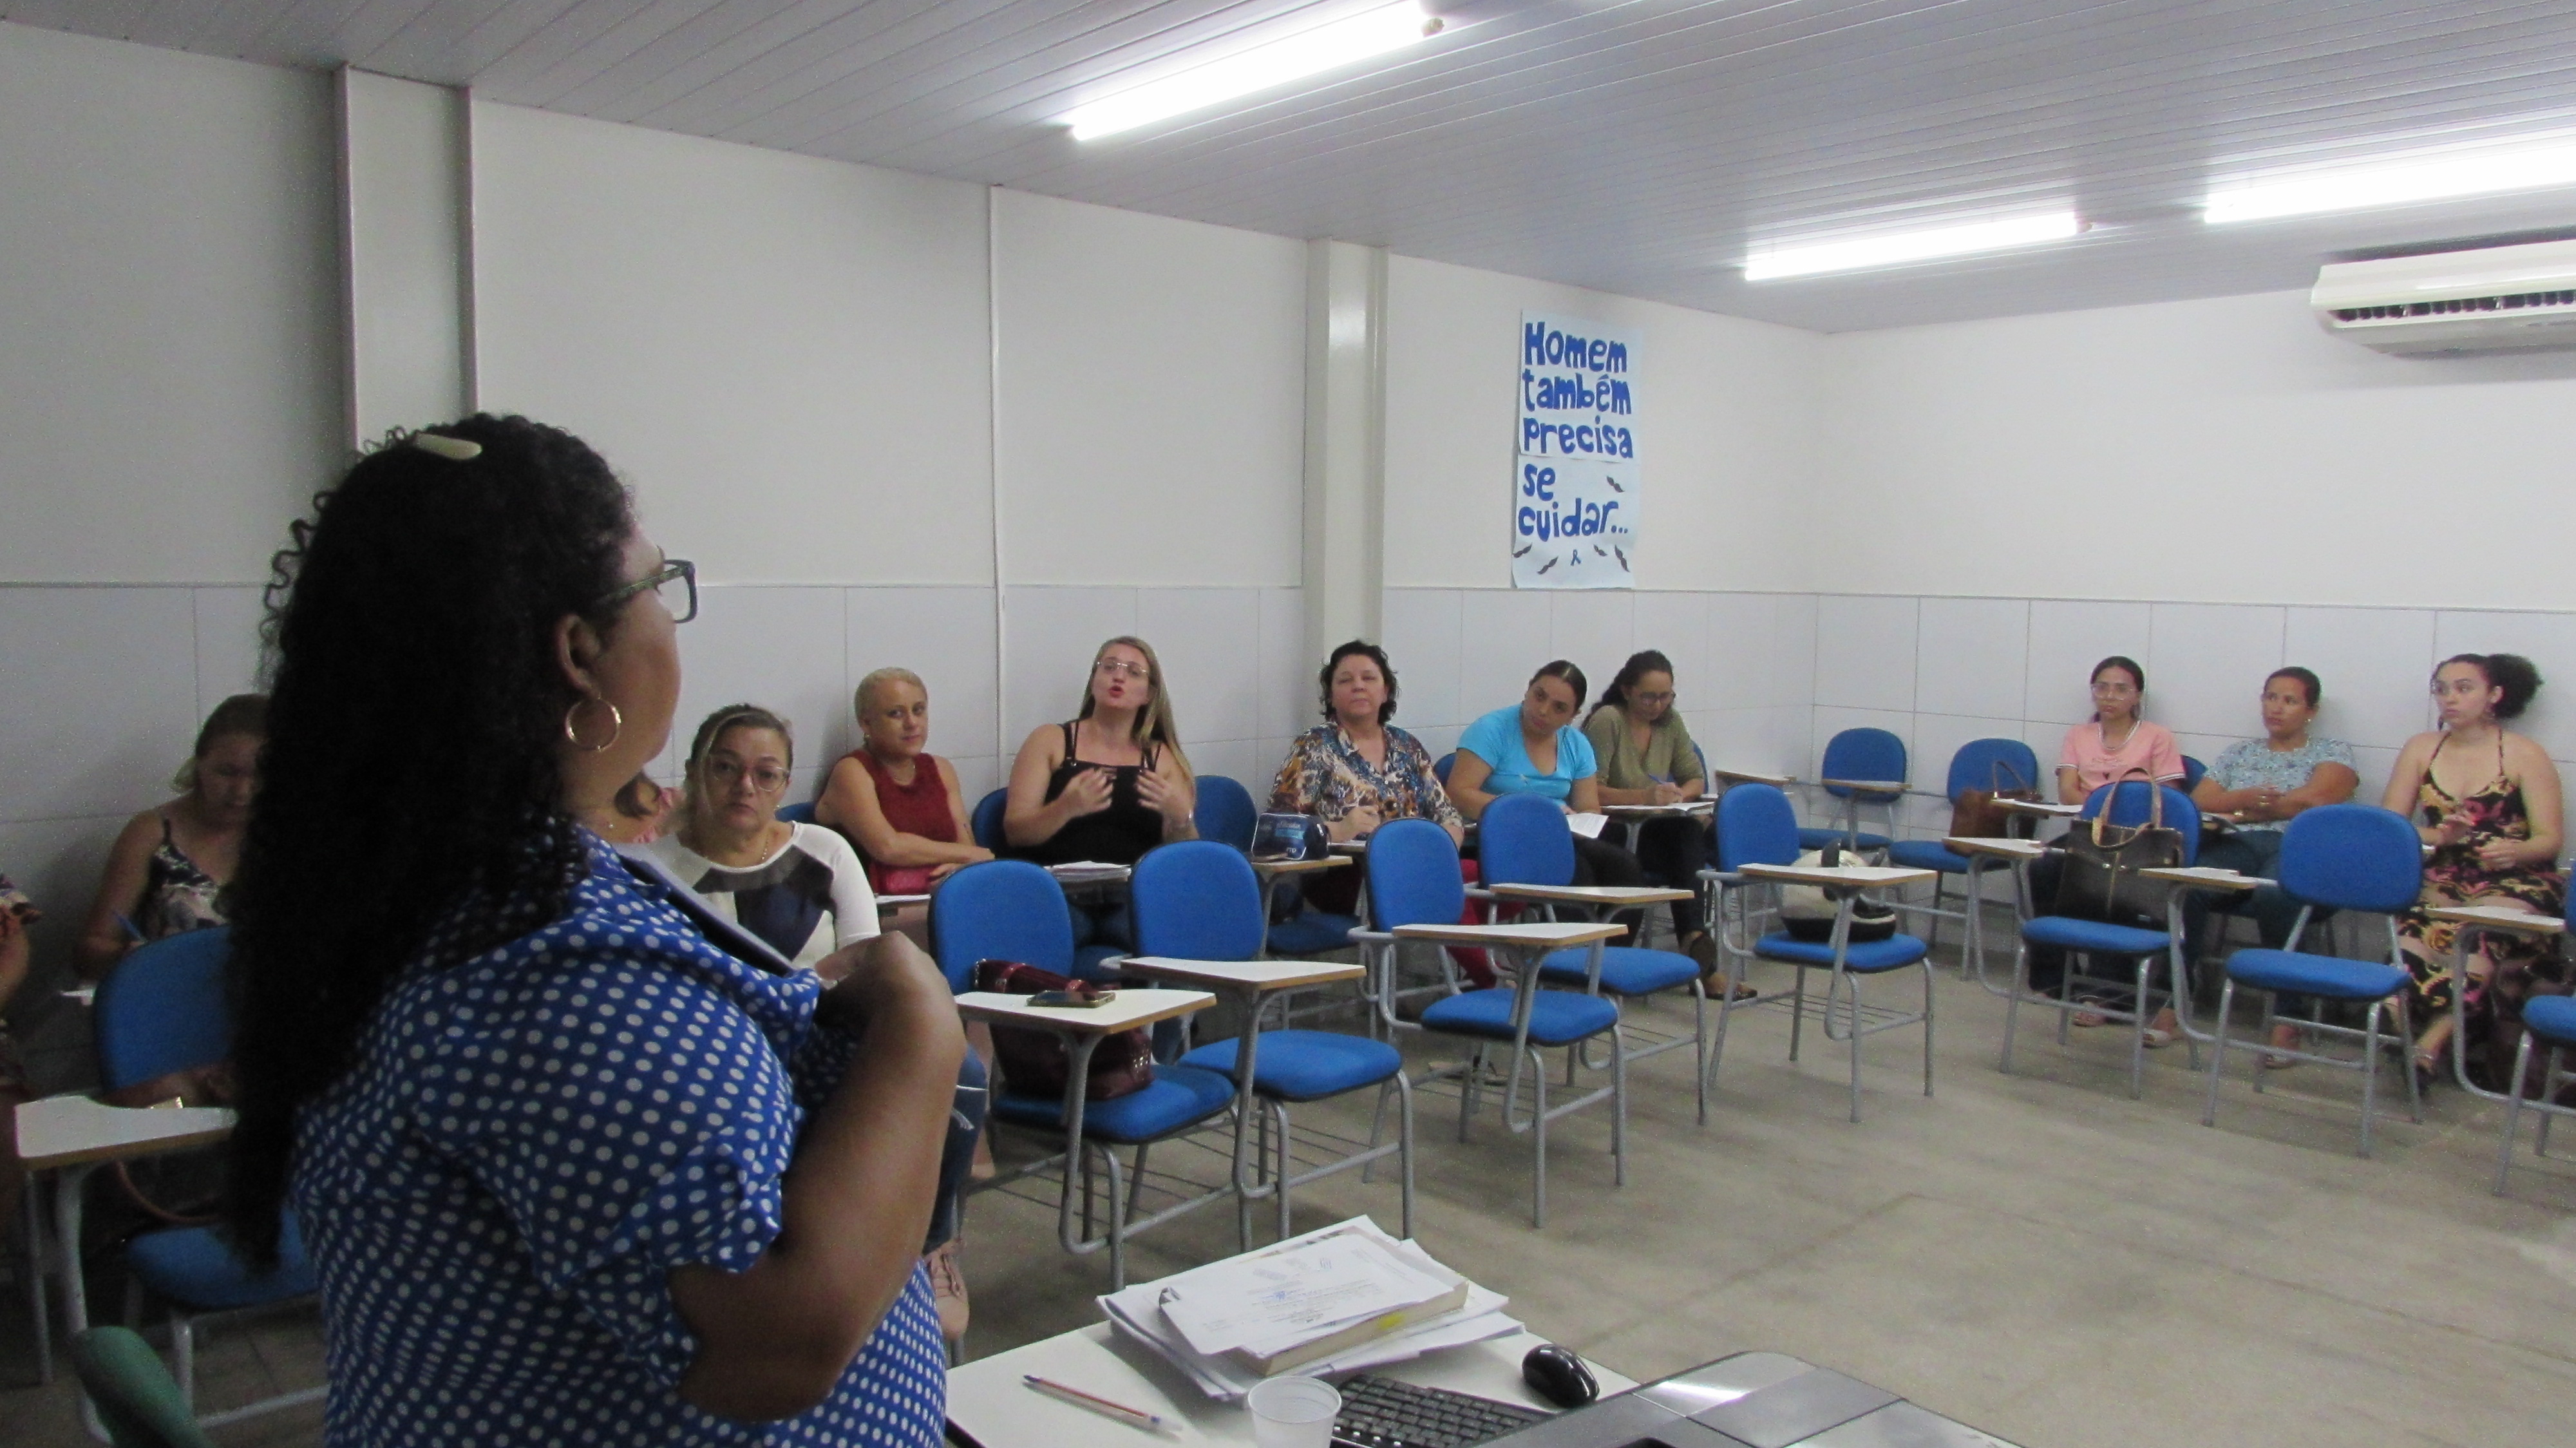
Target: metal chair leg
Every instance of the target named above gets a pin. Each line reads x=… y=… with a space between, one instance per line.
x=1538 y=1131
x=2512 y=1110
x=183 y=1357
x=1927 y=1026
x=2218 y=1052
x=1618 y=1108
x=2369 y=1070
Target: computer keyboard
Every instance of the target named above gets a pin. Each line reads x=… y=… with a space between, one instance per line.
x=1383 y=1413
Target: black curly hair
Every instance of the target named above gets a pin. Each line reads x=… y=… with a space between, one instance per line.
x=410 y=767
x=1357 y=648
x=2510 y=672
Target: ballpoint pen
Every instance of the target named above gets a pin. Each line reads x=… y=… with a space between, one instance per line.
x=1136 y=1417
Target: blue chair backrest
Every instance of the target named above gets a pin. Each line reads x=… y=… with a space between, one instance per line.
x=162 y=1009
x=1755 y=826
x=797 y=814
x=1225 y=813
x=1863 y=754
x=1523 y=839
x=2192 y=770
x=2352 y=857
x=999 y=910
x=1197 y=900
x=1413 y=876
x=985 y=824
x=1975 y=766
x=1441 y=765
x=2135 y=806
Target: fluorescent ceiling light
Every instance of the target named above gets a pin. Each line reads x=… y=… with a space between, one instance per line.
x=2425 y=176
x=1293 y=57
x=1939 y=241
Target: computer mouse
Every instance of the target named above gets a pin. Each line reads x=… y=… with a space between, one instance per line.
x=1556 y=1374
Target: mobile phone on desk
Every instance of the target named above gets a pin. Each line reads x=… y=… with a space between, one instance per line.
x=1080 y=1000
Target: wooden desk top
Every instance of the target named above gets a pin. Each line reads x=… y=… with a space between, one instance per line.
x=2000 y=846
x=1261 y=975
x=68 y=1130
x=2206 y=877
x=1842 y=876
x=1299 y=867
x=1552 y=934
x=897 y=902
x=1088 y=872
x=1866 y=786
x=1746 y=776
x=2040 y=807
x=1641 y=811
x=1128 y=1008
x=1590 y=894
x=2497 y=916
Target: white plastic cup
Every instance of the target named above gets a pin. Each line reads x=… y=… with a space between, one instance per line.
x=1293 y=1412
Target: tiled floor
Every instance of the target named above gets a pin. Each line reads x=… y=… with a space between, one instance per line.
x=2038 y=1255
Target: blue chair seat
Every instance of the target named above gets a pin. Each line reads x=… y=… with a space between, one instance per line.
x=1816 y=838
x=1179 y=1097
x=194 y=1268
x=2551 y=1018
x=1927 y=855
x=1305 y=1065
x=1312 y=933
x=1864 y=957
x=1557 y=1018
x=2093 y=936
x=2300 y=973
x=1625 y=969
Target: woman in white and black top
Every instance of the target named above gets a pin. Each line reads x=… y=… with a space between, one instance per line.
x=798 y=887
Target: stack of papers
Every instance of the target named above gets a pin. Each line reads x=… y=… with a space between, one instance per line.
x=1589 y=826
x=1337 y=1300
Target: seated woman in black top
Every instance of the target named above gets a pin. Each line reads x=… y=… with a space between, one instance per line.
x=1108 y=784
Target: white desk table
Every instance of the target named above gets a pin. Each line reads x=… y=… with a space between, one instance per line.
x=2475 y=920
x=1984 y=852
x=990 y=1407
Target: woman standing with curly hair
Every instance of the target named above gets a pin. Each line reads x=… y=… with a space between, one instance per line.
x=535 y=1122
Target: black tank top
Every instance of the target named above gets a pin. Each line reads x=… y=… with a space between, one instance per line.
x=1118 y=835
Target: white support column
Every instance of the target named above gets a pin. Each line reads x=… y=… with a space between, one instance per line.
x=1345 y=555
x=406 y=252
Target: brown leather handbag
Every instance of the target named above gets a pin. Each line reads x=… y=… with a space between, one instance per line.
x=1035 y=1063
x=1975 y=814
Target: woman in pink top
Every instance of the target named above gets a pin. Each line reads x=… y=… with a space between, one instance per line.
x=2115 y=743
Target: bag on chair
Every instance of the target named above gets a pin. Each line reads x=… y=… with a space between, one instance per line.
x=1976 y=814
x=1807 y=912
x=2100 y=877
x=1035 y=1063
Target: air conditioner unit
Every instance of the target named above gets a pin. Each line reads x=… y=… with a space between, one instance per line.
x=2454 y=303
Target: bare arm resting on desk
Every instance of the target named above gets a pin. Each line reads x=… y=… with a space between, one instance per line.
x=855 y=1205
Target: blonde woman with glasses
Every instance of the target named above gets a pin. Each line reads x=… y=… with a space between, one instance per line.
x=1109 y=783
x=798 y=887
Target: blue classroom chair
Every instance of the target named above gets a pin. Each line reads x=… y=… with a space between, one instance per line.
x=1757 y=826
x=1867 y=756
x=1440 y=766
x=2341 y=857
x=1989 y=764
x=1224 y=812
x=1199 y=900
x=797 y=814
x=2550 y=1023
x=999 y=910
x=985 y=823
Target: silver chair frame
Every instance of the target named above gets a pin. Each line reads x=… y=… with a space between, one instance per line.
x=1736 y=940
x=2515 y=1103
x=2369 y=1034
x=2143 y=990
x=1698 y=1038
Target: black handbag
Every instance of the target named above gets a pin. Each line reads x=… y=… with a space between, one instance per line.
x=2099 y=875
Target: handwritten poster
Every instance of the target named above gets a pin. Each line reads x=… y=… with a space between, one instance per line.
x=1574 y=485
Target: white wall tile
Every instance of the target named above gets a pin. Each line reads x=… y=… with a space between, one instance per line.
x=2374 y=765
x=1793 y=649
x=1793 y=747
x=1677 y=624
x=1969 y=655
x=1233 y=758
x=1595 y=629
x=2067 y=638
x=2374 y=664
x=1287 y=675
x=2205 y=747
x=1865 y=652
x=1735 y=738
x=1939 y=736
x=1505 y=638
x=227 y=623
x=98 y=698
x=979 y=776
x=1209 y=641
x=781 y=648
x=1743 y=654
x=2548 y=640
x=1049 y=638
x=2205 y=666
x=946 y=636
x=1439 y=739
x=1422 y=641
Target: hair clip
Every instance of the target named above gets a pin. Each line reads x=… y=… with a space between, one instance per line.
x=454 y=449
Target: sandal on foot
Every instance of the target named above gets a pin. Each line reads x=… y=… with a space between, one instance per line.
x=2089 y=1013
x=2157 y=1037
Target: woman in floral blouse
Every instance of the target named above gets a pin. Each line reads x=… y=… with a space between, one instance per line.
x=1357 y=771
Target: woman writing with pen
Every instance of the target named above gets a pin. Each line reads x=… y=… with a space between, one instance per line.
x=1647 y=757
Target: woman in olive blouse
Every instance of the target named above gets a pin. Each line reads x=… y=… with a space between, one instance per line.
x=1647 y=757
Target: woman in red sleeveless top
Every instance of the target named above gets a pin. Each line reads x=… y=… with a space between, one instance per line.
x=897 y=803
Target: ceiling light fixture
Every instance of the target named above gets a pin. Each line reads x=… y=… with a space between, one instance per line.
x=2401 y=181
x=1289 y=58
x=1928 y=245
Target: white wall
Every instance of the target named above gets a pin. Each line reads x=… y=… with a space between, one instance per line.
x=169 y=383
x=1726 y=433
x=1153 y=377
x=2223 y=450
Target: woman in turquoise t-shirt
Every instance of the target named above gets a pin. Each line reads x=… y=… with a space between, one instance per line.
x=1535 y=749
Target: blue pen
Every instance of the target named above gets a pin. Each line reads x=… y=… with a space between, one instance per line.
x=128 y=927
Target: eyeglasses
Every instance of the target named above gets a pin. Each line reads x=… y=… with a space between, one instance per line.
x=766 y=778
x=1665 y=697
x=675 y=583
x=2116 y=691
x=1121 y=666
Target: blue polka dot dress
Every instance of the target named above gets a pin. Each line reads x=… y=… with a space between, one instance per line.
x=534 y=1137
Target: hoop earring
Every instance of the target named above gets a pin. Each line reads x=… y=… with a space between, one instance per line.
x=616 y=724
